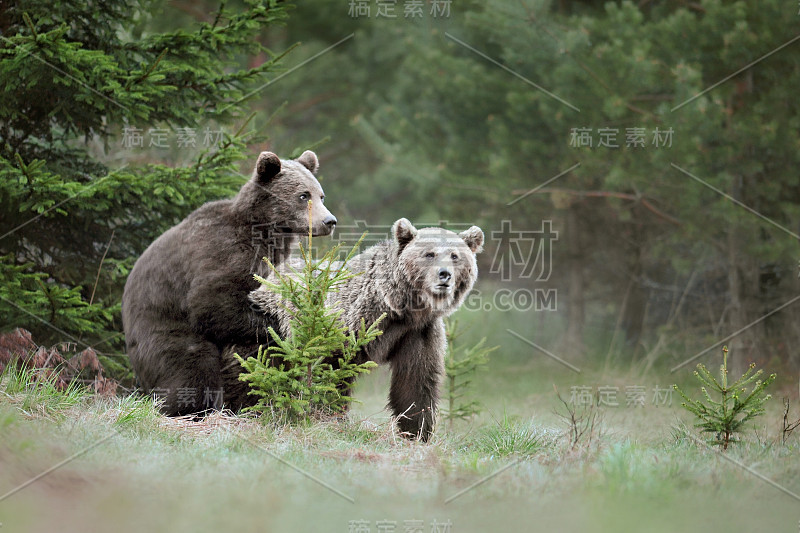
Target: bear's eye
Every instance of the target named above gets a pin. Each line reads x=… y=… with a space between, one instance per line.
x=454 y=257
x=322 y=198
x=430 y=255
x=304 y=197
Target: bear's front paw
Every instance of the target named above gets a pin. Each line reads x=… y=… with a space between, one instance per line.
x=416 y=425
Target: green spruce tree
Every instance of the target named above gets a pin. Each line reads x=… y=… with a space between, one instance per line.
x=460 y=365
x=312 y=370
x=81 y=86
x=724 y=415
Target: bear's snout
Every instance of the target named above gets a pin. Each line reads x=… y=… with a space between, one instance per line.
x=444 y=276
x=325 y=224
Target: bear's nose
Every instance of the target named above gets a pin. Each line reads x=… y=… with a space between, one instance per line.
x=329 y=221
x=444 y=275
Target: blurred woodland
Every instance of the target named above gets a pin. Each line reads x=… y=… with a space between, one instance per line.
x=660 y=140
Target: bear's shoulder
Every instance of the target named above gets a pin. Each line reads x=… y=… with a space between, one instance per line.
x=215 y=211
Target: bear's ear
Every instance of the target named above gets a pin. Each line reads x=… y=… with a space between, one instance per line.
x=268 y=166
x=309 y=160
x=403 y=232
x=474 y=238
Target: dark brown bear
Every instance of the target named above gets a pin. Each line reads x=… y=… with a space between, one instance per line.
x=187 y=296
x=417 y=278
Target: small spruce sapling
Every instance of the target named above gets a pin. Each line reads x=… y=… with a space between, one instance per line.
x=726 y=416
x=312 y=370
x=460 y=366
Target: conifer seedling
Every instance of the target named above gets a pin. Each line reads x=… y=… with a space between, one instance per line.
x=460 y=366
x=724 y=414
x=312 y=370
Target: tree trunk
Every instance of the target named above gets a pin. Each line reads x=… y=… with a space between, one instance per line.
x=740 y=270
x=573 y=339
x=634 y=311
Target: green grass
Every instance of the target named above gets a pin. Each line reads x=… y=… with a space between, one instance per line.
x=510 y=469
x=36 y=391
x=512 y=436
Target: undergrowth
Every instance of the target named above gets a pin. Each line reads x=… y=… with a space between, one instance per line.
x=35 y=391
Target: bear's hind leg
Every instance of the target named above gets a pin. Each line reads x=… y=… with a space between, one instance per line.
x=190 y=376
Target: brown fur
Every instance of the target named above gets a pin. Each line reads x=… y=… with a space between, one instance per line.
x=405 y=278
x=186 y=297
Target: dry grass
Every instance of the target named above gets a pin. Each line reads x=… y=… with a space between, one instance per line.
x=209 y=424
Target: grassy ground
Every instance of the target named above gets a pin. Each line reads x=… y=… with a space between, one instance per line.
x=138 y=471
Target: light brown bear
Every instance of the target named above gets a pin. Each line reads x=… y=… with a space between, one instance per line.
x=186 y=298
x=417 y=278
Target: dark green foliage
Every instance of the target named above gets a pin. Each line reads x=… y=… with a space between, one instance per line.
x=652 y=237
x=74 y=80
x=725 y=416
x=460 y=366
x=312 y=370
x=642 y=227
x=23 y=290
